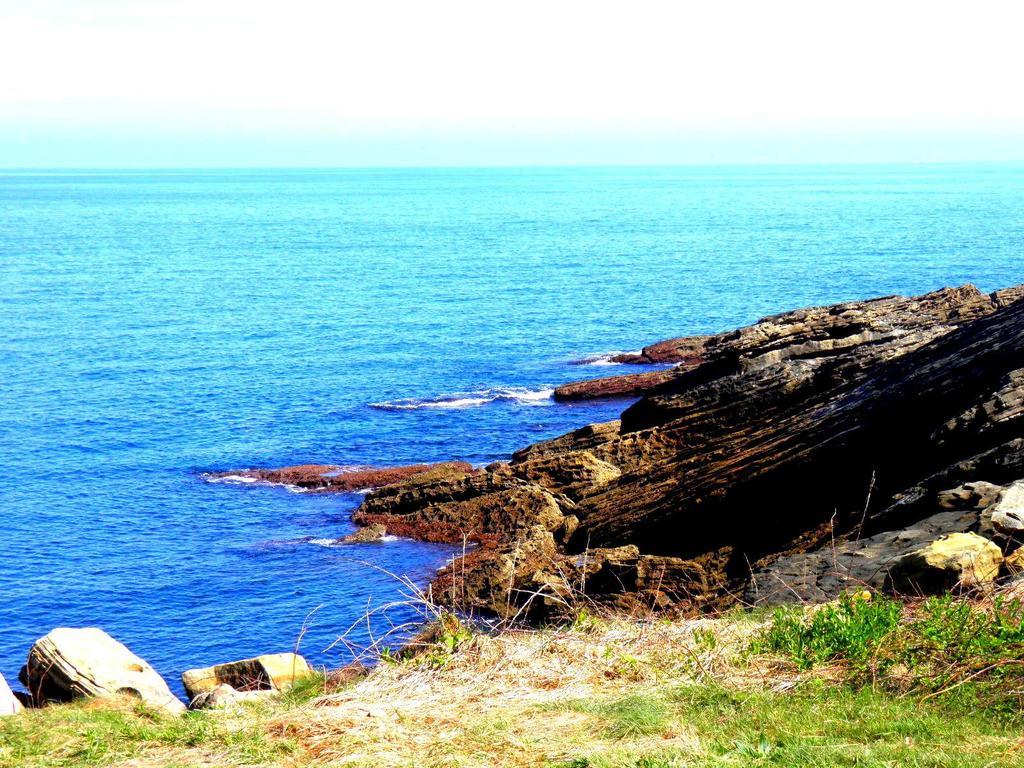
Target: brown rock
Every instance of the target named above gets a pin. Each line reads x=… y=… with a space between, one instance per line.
x=625 y=385
x=803 y=334
x=484 y=506
x=522 y=578
x=572 y=474
x=686 y=349
x=330 y=477
x=366 y=535
x=269 y=672
x=963 y=560
x=831 y=422
x=742 y=438
x=582 y=439
x=677 y=579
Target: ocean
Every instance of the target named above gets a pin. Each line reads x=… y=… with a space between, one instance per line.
x=159 y=325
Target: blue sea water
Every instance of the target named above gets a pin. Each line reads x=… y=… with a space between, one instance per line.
x=157 y=325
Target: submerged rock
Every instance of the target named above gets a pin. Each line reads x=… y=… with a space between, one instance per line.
x=9 y=704
x=270 y=672
x=69 y=663
x=366 y=535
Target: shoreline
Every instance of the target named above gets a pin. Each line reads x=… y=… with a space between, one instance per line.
x=538 y=522
x=611 y=493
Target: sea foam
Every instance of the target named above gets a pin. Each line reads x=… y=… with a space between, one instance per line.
x=520 y=395
x=603 y=358
x=246 y=480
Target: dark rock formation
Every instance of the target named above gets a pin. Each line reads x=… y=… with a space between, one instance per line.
x=820 y=575
x=329 y=477
x=494 y=505
x=764 y=446
x=802 y=334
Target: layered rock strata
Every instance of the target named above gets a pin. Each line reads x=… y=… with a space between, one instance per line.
x=805 y=333
x=824 y=427
x=72 y=663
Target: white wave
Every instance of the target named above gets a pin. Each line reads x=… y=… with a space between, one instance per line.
x=247 y=480
x=519 y=395
x=231 y=479
x=340 y=542
x=604 y=358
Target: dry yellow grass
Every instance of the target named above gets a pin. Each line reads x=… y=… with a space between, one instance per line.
x=499 y=695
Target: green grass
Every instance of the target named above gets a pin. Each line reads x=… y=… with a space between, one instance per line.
x=627 y=717
x=820 y=725
x=943 y=646
x=817 y=726
x=304 y=690
x=871 y=683
x=85 y=734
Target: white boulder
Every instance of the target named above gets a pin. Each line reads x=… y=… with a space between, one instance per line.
x=9 y=705
x=1008 y=513
x=70 y=663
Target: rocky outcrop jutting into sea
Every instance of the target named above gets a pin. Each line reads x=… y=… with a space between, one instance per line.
x=838 y=426
x=331 y=477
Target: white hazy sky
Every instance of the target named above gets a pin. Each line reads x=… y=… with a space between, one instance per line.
x=446 y=82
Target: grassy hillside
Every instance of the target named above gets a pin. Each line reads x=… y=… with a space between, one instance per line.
x=864 y=682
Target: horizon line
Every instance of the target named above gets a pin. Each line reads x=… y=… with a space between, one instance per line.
x=515 y=166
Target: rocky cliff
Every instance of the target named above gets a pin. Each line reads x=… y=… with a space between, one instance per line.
x=829 y=426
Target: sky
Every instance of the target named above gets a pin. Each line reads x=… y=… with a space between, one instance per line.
x=184 y=83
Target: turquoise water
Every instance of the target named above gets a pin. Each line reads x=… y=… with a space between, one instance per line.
x=155 y=326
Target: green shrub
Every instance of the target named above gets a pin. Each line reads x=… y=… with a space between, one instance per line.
x=849 y=630
x=943 y=645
